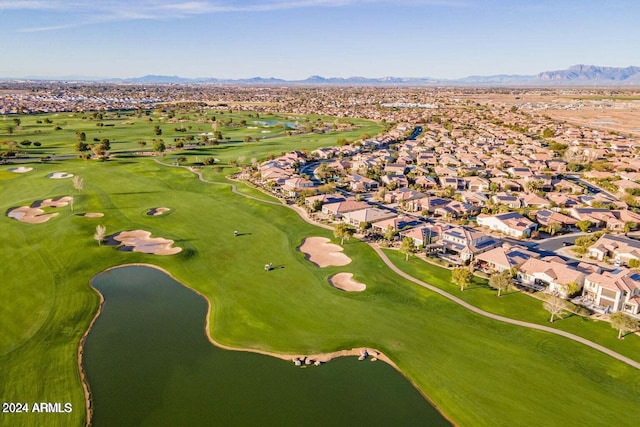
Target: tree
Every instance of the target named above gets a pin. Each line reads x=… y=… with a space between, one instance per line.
x=10 y=129
x=105 y=145
x=461 y=276
x=100 y=233
x=407 y=247
x=554 y=305
x=501 y=282
x=158 y=146
x=554 y=227
x=623 y=323
x=343 y=232
x=316 y=206
x=82 y=146
x=390 y=233
x=584 y=225
x=634 y=263
x=78 y=183
x=157 y=130
x=81 y=136
x=630 y=225
x=548 y=133
x=571 y=288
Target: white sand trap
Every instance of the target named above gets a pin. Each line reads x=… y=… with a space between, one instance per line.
x=141 y=241
x=21 y=169
x=322 y=253
x=30 y=215
x=53 y=203
x=34 y=215
x=345 y=282
x=157 y=211
x=93 y=215
x=59 y=175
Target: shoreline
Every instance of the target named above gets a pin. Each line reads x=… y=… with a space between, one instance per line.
x=321 y=357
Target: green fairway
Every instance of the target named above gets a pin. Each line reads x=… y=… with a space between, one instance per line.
x=477 y=371
x=517 y=305
x=242 y=135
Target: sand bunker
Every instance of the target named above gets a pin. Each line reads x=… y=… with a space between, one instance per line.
x=322 y=253
x=52 y=203
x=92 y=215
x=59 y=175
x=34 y=215
x=141 y=241
x=157 y=211
x=345 y=282
x=30 y=215
x=21 y=169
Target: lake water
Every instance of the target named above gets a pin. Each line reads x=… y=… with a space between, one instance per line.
x=149 y=363
x=274 y=123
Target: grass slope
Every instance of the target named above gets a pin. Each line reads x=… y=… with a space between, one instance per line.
x=478 y=371
x=57 y=133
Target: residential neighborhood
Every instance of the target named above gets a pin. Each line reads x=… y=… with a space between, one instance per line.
x=468 y=191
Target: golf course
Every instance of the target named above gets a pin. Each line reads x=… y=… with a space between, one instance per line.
x=476 y=371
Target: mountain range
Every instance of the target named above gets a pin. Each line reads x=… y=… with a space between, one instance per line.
x=576 y=75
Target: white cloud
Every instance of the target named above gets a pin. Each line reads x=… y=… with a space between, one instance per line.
x=93 y=12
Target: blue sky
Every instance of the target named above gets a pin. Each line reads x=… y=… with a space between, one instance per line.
x=294 y=39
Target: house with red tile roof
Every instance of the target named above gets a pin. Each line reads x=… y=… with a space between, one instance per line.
x=504 y=258
x=367 y=215
x=550 y=273
x=614 y=290
x=509 y=223
x=338 y=209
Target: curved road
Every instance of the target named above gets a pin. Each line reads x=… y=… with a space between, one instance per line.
x=439 y=291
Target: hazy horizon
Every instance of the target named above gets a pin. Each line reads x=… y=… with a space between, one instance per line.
x=295 y=39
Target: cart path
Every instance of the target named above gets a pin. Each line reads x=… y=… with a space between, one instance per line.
x=432 y=288
x=499 y=318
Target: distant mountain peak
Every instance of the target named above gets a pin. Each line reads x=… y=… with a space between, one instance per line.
x=575 y=75
x=593 y=73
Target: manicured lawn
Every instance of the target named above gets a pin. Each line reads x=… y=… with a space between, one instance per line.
x=477 y=371
x=125 y=129
x=518 y=305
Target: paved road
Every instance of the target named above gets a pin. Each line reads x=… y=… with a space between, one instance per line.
x=439 y=291
x=590 y=186
x=552 y=244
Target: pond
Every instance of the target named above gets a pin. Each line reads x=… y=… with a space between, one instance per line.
x=148 y=362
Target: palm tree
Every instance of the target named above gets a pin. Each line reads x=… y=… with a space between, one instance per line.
x=100 y=233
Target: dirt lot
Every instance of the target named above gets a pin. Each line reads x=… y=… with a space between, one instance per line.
x=610 y=110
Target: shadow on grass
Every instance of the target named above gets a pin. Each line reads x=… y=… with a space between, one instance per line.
x=507 y=293
x=128 y=193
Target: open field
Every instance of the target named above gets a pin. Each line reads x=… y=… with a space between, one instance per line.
x=196 y=129
x=477 y=371
x=615 y=112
